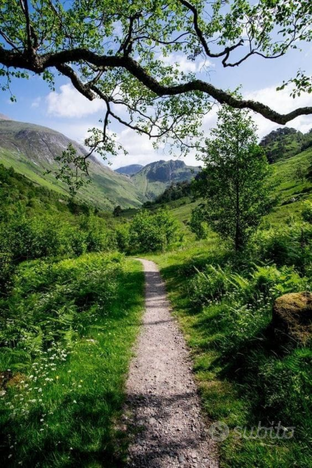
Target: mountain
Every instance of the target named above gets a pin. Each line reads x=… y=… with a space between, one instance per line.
x=129 y=170
x=31 y=150
x=154 y=178
x=284 y=143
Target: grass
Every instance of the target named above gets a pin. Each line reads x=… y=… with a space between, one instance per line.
x=292 y=191
x=68 y=347
x=242 y=379
x=106 y=190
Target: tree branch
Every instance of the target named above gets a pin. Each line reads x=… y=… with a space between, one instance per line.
x=39 y=63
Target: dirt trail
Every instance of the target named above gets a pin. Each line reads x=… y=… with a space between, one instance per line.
x=162 y=402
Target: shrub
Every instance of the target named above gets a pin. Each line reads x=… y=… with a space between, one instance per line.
x=152 y=232
x=210 y=284
x=122 y=236
x=286 y=386
x=50 y=301
x=198 y=225
x=288 y=246
x=307 y=211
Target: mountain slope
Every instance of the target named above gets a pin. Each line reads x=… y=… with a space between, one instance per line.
x=284 y=143
x=291 y=187
x=129 y=170
x=154 y=178
x=31 y=150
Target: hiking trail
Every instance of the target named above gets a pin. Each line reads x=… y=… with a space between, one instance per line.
x=162 y=404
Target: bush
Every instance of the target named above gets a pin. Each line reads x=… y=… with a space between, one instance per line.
x=50 y=301
x=122 y=236
x=198 y=225
x=152 y=232
x=288 y=246
x=307 y=210
x=245 y=302
x=210 y=284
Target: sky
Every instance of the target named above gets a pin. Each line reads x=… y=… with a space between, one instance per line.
x=68 y=112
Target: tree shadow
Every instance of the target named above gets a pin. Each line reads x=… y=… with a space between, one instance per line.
x=152 y=443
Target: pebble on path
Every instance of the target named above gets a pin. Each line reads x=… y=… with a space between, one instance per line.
x=162 y=400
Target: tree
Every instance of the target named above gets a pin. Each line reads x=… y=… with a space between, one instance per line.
x=121 y=53
x=300 y=173
x=234 y=181
x=117 y=211
x=152 y=232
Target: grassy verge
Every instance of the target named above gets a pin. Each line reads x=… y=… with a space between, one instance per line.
x=68 y=328
x=224 y=309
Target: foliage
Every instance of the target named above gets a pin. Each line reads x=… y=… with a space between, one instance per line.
x=124 y=60
x=73 y=169
x=234 y=180
x=309 y=172
x=224 y=304
x=307 y=211
x=36 y=223
x=174 y=192
x=152 y=232
x=66 y=333
x=198 y=225
x=286 y=246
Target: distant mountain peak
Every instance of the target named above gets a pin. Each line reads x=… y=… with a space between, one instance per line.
x=155 y=177
x=129 y=170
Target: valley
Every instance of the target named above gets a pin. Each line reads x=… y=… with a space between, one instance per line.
x=72 y=302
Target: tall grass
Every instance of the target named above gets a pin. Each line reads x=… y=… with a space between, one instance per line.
x=66 y=337
x=224 y=305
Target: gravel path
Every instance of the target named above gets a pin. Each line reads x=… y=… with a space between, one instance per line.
x=162 y=406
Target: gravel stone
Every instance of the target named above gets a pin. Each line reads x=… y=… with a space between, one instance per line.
x=162 y=397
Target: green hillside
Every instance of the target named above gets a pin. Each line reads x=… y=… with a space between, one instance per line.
x=31 y=150
x=154 y=178
x=291 y=185
x=284 y=143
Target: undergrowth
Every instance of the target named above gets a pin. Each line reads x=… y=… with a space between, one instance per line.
x=66 y=333
x=246 y=378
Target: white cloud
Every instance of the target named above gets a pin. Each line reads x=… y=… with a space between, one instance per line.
x=70 y=103
x=36 y=102
x=139 y=148
x=186 y=65
x=283 y=103
x=141 y=151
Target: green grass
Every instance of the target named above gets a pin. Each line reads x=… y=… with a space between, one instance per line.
x=242 y=381
x=68 y=336
x=291 y=192
x=106 y=190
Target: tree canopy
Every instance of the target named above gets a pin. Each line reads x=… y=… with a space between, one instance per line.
x=234 y=181
x=118 y=51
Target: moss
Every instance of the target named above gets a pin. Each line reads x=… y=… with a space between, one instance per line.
x=292 y=314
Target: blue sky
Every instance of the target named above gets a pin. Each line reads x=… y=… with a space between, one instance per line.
x=70 y=113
